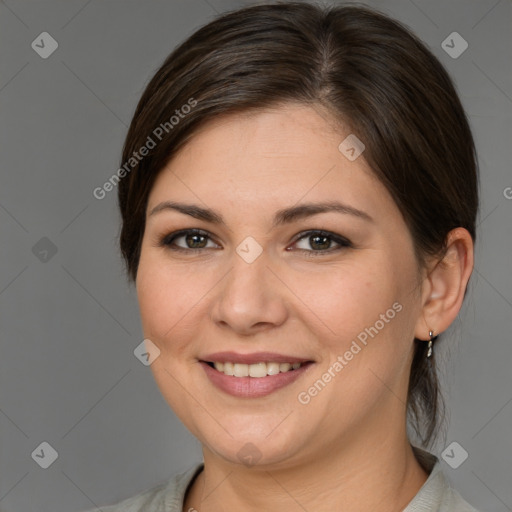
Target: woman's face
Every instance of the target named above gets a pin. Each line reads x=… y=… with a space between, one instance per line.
x=259 y=284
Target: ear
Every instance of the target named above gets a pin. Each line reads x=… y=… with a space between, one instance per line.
x=445 y=284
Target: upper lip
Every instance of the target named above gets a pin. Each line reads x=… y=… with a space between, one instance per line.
x=255 y=357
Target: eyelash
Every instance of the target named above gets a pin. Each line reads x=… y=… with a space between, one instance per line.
x=168 y=241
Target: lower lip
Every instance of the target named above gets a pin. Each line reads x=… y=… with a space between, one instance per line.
x=252 y=387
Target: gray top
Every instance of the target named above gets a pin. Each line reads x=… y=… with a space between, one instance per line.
x=436 y=494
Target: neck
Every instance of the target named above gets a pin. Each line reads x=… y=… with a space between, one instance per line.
x=380 y=475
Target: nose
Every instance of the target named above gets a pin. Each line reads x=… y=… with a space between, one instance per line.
x=251 y=298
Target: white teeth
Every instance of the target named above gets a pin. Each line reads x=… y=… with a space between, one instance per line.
x=228 y=369
x=257 y=370
x=241 y=370
x=272 y=368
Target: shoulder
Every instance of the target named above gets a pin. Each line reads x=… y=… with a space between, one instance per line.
x=166 y=497
x=149 y=500
x=437 y=493
x=452 y=501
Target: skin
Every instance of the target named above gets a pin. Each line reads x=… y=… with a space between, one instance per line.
x=347 y=449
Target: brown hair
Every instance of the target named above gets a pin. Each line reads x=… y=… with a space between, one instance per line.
x=371 y=73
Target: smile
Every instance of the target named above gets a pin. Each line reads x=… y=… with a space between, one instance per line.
x=253 y=379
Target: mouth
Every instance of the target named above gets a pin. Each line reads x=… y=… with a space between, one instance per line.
x=253 y=375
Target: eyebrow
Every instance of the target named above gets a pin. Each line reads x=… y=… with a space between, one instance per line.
x=284 y=216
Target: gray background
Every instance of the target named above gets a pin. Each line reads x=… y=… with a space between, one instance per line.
x=69 y=320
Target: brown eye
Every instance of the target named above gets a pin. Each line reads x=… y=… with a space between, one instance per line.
x=195 y=241
x=321 y=242
x=186 y=240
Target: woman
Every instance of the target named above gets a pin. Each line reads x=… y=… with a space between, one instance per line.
x=298 y=197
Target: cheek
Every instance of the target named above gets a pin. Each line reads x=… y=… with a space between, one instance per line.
x=174 y=303
x=365 y=311
x=366 y=346
x=165 y=298
x=348 y=299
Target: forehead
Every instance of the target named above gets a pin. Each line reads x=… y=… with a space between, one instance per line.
x=279 y=155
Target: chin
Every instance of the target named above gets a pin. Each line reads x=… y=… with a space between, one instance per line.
x=253 y=442
x=254 y=453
